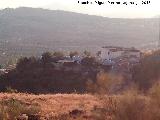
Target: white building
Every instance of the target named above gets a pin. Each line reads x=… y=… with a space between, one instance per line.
x=132 y=53
x=111 y=52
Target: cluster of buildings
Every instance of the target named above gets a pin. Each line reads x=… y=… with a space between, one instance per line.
x=120 y=58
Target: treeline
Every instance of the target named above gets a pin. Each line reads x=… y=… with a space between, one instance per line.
x=147 y=73
x=45 y=75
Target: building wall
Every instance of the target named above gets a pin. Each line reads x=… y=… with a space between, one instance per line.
x=130 y=53
x=111 y=53
x=116 y=54
x=107 y=54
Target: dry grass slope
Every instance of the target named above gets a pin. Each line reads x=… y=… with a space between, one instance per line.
x=129 y=106
x=58 y=105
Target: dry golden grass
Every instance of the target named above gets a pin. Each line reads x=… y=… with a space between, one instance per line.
x=89 y=107
x=58 y=104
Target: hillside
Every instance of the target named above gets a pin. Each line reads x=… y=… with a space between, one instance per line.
x=64 y=106
x=58 y=104
x=30 y=31
x=33 y=27
x=77 y=107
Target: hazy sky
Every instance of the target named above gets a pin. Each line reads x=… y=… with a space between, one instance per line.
x=131 y=11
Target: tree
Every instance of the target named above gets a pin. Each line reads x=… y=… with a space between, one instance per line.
x=105 y=83
x=1 y=67
x=46 y=57
x=89 y=61
x=58 y=54
x=87 y=53
x=147 y=72
x=71 y=54
x=22 y=63
x=98 y=53
x=11 y=61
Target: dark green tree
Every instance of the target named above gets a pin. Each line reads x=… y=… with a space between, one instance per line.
x=47 y=57
x=71 y=54
x=22 y=64
x=87 y=53
x=88 y=61
x=58 y=54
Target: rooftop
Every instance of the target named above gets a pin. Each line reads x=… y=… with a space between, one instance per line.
x=117 y=48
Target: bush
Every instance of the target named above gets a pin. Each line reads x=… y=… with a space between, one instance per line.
x=88 y=61
x=12 y=108
x=10 y=90
x=105 y=83
x=3 y=114
x=106 y=112
x=154 y=94
x=47 y=57
x=71 y=54
x=130 y=107
x=147 y=72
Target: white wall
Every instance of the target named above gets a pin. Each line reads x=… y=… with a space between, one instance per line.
x=111 y=55
x=104 y=53
x=130 y=53
x=116 y=54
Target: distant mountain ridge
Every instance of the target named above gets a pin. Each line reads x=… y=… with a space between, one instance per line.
x=32 y=30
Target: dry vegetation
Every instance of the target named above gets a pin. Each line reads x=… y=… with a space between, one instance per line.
x=129 y=106
x=58 y=105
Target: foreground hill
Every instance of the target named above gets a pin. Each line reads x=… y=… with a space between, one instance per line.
x=58 y=106
x=129 y=106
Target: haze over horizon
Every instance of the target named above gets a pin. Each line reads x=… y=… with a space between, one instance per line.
x=113 y=11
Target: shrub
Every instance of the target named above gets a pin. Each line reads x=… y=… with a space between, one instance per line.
x=130 y=107
x=154 y=93
x=147 y=72
x=11 y=90
x=3 y=113
x=12 y=108
x=58 y=54
x=71 y=54
x=154 y=105
x=87 y=53
x=105 y=83
x=88 y=61
x=47 y=57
